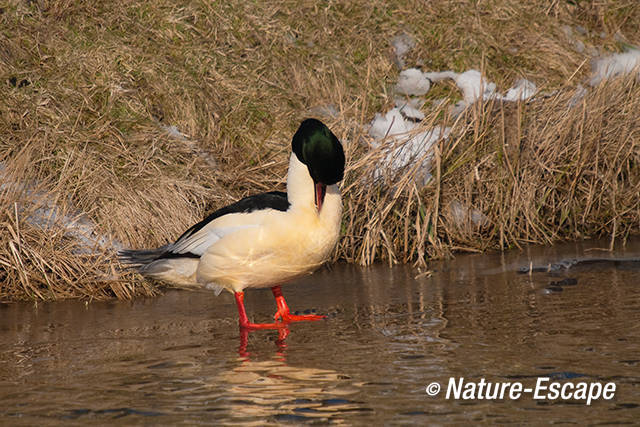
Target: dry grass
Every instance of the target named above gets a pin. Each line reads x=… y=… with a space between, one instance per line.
x=88 y=91
x=538 y=172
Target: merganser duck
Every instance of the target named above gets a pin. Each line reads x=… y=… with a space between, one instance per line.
x=262 y=240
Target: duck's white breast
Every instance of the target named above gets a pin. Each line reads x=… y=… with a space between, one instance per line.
x=283 y=246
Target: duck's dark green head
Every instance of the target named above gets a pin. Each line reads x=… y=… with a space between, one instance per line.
x=318 y=148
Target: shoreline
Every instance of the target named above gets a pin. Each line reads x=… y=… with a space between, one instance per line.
x=124 y=123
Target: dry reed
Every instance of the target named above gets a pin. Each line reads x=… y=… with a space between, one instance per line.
x=510 y=173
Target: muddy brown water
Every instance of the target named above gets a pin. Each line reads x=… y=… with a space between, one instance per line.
x=180 y=358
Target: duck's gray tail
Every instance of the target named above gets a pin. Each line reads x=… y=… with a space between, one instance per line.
x=139 y=258
x=163 y=265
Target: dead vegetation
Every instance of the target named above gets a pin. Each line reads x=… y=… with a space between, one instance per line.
x=511 y=173
x=137 y=118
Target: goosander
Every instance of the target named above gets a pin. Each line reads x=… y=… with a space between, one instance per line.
x=262 y=240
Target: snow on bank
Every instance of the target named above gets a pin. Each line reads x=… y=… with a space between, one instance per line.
x=471 y=83
x=410 y=108
x=616 y=65
x=522 y=90
x=395 y=129
x=48 y=215
x=413 y=82
x=402 y=44
x=475 y=87
x=609 y=67
x=403 y=145
x=173 y=132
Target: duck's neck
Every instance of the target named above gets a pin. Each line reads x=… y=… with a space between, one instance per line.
x=300 y=186
x=301 y=193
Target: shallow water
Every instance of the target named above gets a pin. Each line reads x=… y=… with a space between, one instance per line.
x=180 y=358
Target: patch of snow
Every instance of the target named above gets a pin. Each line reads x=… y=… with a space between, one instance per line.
x=402 y=44
x=474 y=86
x=413 y=82
x=174 y=132
x=414 y=102
x=403 y=147
x=418 y=148
x=522 y=90
x=397 y=127
x=458 y=108
x=616 y=65
x=579 y=93
x=77 y=225
x=48 y=215
x=410 y=108
x=418 y=145
x=391 y=124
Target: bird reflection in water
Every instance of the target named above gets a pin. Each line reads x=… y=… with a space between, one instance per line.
x=263 y=385
x=283 y=333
